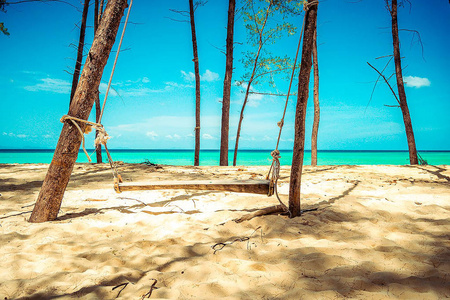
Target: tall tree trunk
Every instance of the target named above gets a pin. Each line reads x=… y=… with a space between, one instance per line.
x=96 y=18
x=50 y=197
x=401 y=88
x=315 y=128
x=224 y=134
x=255 y=65
x=100 y=10
x=76 y=72
x=197 y=85
x=98 y=147
x=300 y=113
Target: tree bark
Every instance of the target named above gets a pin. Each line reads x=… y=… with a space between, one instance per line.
x=96 y=18
x=300 y=113
x=50 y=197
x=100 y=10
x=224 y=136
x=401 y=88
x=197 y=85
x=76 y=73
x=98 y=148
x=315 y=128
x=255 y=65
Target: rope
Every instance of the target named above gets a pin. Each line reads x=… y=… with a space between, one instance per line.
x=115 y=62
x=102 y=136
x=102 y=139
x=275 y=166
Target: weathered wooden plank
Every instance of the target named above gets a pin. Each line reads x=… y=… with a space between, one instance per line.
x=239 y=186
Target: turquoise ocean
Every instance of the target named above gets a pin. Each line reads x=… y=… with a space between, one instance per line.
x=245 y=157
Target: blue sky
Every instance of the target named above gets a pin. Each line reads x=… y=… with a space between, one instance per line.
x=155 y=109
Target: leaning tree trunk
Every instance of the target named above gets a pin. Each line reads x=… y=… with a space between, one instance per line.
x=247 y=92
x=315 y=128
x=98 y=147
x=300 y=113
x=76 y=73
x=66 y=152
x=224 y=134
x=401 y=88
x=197 y=85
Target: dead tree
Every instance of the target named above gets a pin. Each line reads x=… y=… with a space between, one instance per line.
x=76 y=73
x=50 y=196
x=300 y=113
x=98 y=147
x=400 y=85
x=316 y=121
x=197 y=84
x=224 y=133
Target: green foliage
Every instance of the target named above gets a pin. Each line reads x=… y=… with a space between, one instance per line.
x=266 y=22
x=4 y=29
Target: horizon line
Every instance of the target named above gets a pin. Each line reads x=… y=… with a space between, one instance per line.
x=229 y=150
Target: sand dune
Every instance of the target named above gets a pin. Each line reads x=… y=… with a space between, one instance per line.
x=379 y=232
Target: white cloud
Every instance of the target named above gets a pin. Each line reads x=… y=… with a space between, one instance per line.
x=171 y=84
x=145 y=80
x=138 y=92
x=254 y=100
x=209 y=76
x=50 y=85
x=103 y=86
x=188 y=76
x=173 y=137
x=152 y=135
x=416 y=82
x=20 y=135
x=207 y=136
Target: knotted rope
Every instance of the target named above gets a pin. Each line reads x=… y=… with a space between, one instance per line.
x=101 y=139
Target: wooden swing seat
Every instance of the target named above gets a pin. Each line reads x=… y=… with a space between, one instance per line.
x=239 y=186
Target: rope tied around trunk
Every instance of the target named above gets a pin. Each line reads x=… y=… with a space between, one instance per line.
x=101 y=139
x=274 y=175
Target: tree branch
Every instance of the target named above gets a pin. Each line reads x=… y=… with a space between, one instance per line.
x=387 y=82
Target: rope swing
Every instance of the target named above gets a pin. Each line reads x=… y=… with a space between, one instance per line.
x=267 y=186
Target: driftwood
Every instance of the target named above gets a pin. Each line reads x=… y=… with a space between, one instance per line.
x=265 y=211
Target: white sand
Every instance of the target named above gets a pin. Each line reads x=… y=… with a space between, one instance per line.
x=380 y=232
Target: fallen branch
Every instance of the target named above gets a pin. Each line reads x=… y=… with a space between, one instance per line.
x=265 y=211
x=220 y=246
x=152 y=287
x=117 y=286
x=276 y=209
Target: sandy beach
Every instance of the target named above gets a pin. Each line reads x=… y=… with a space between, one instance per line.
x=379 y=232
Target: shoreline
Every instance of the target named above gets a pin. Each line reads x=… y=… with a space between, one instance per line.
x=379 y=232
